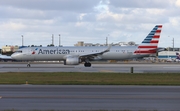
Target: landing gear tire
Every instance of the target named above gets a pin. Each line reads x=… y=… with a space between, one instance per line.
x=87 y=64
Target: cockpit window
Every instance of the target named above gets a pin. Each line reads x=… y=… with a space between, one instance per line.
x=19 y=51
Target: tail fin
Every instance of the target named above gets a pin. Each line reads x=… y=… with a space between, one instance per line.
x=150 y=44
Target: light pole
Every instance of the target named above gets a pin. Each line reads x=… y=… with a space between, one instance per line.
x=52 y=39
x=107 y=40
x=173 y=44
x=22 y=41
x=168 y=50
x=59 y=40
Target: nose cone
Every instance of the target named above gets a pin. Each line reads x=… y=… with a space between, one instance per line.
x=15 y=56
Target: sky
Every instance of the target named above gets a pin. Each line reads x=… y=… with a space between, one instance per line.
x=90 y=21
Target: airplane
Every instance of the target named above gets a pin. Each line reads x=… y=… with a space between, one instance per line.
x=177 y=56
x=76 y=55
x=5 y=58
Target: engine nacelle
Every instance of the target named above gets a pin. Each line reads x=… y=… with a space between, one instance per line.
x=71 y=61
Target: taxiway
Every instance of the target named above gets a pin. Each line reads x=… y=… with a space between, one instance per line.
x=125 y=68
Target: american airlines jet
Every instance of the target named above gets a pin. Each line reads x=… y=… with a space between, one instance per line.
x=77 y=55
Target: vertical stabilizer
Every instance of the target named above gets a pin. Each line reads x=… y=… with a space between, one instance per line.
x=150 y=44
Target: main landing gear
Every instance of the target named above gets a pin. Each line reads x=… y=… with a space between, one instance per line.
x=28 y=65
x=87 y=64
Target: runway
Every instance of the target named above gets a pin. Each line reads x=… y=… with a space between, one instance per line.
x=123 y=68
x=87 y=97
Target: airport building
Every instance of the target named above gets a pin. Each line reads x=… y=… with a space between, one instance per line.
x=9 y=49
x=170 y=54
x=167 y=54
x=81 y=43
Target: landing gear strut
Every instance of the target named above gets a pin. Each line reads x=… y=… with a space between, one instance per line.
x=87 y=64
x=28 y=65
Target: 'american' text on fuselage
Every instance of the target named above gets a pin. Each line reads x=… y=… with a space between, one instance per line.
x=55 y=51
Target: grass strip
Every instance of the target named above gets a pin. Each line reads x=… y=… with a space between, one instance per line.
x=88 y=78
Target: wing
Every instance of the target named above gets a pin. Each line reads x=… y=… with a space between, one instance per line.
x=92 y=55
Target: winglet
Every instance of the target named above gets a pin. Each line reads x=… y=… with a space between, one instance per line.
x=108 y=49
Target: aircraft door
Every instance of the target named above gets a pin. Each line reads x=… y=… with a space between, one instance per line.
x=28 y=54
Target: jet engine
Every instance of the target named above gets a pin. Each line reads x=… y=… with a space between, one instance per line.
x=72 y=61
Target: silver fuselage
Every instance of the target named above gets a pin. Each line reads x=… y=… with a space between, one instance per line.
x=61 y=53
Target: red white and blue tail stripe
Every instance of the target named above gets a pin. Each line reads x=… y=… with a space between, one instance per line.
x=150 y=44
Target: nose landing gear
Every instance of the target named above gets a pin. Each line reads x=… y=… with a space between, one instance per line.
x=28 y=65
